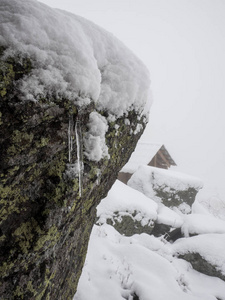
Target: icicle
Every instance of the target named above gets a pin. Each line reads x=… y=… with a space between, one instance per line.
x=77 y=167
x=79 y=155
x=70 y=138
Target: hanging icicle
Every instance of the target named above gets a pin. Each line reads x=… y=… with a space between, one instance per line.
x=70 y=138
x=79 y=155
x=75 y=166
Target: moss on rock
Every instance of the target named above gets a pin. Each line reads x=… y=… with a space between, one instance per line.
x=45 y=223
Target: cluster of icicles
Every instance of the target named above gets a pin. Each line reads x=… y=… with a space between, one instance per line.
x=74 y=132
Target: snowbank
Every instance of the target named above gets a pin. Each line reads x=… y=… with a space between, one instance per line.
x=171 y=188
x=118 y=267
x=169 y=217
x=200 y=224
x=209 y=246
x=210 y=204
x=123 y=200
x=72 y=58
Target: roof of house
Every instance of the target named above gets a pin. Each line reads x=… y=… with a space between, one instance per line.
x=143 y=154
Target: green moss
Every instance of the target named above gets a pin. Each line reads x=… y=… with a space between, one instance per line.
x=20 y=137
x=44 y=287
x=36 y=173
x=30 y=288
x=42 y=143
x=12 y=195
x=48 y=239
x=87 y=204
x=19 y=292
x=20 y=141
x=57 y=167
x=4 y=268
x=7 y=75
x=12 y=171
x=2 y=238
x=12 y=69
x=30 y=167
x=24 y=235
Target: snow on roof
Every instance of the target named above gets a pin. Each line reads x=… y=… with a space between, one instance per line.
x=72 y=58
x=142 y=155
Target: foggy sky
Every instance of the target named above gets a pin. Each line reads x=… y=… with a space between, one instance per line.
x=182 y=42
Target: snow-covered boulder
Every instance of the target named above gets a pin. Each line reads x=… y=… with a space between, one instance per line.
x=127 y=210
x=119 y=267
x=73 y=104
x=201 y=224
x=167 y=220
x=205 y=253
x=173 y=189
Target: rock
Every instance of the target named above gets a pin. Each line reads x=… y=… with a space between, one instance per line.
x=51 y=178
x=127 y=225
x=171 y=188
x=200 y=264
x=203 y=252
x=127 y=210
x=173 y=235
x=45 y=223
x=160 y=229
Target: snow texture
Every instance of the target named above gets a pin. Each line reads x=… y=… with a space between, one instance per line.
x=94 y=139
x=169 y=217
x=72 y=58
x=146 y=177
x=200 y=224
x=125 y=200
x=210 y=204
x=209 y=246
x=118 y=267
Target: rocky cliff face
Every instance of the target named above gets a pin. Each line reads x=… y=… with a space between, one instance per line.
x=71 y=113
x=46 y=213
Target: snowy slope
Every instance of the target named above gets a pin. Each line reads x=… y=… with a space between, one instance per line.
x=72 y=58
x=119 y=267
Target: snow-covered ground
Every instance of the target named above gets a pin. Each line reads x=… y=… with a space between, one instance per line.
x=120 y=267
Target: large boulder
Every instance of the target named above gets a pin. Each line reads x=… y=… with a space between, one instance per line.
x=71 y=100
x=173 y=189
x=203 y=252
x=127 y=210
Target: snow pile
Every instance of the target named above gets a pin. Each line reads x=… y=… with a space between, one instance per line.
x=169 y=217
x=117 y=267
x=146 y=177
x=120 y=267
x=72 y=58
x=149 y=180
x=94 y=139
x=124 y=200
x=209 y=246
x=200 y=224
x=210 y=204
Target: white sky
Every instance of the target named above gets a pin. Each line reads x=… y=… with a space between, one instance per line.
x=182 y=42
